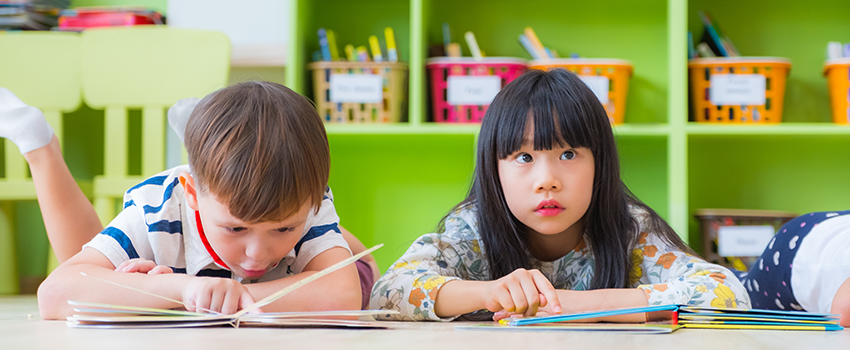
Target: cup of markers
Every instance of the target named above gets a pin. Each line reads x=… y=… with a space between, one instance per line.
x=359 y=87
x=463 y=87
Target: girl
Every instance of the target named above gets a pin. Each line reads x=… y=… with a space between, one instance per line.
x=805 y=267
x=548 y=225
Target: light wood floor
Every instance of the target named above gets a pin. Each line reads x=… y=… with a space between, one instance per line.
x=21 y=328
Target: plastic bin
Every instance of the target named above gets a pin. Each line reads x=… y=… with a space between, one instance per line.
x=608 y=78
x=389 y=107
x=837 y=74
x=752 y=222
x=472 y=106
x=737 y=98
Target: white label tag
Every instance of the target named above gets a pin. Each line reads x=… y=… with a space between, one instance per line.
x=743 y=240
x=599 y=86
x=473 y=90
x=357 y=88
x=737 y=89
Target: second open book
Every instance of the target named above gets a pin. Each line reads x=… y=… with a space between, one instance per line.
x=99 y=315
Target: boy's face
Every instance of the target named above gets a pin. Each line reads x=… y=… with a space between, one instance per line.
x=250 y=250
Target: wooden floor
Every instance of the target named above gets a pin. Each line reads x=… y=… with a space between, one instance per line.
x=21 y=328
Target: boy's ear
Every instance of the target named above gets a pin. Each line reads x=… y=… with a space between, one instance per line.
x=189 y=189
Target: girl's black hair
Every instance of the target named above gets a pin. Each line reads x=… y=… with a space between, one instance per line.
x=564 y=111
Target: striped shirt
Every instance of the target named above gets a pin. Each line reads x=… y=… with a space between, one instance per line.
x=158 y=225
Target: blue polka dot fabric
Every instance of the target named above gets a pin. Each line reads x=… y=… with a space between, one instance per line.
x=769 y=280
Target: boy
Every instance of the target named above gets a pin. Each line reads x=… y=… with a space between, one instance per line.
x=252 y=206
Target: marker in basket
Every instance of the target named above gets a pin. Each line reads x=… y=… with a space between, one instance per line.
x=523 y=40
x=332 y=45
x=454 y=50
x=473 y=45
x=323 y=44
x=555 y=54
x=447 y=36
x=349 y=53
x=362 y=54
x=535 y=42
x=549 y=52
x=376 y=48
x=392 y=54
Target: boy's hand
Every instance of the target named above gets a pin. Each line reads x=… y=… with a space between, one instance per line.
x=521 y=292
x=143 y=266
x=222 y=295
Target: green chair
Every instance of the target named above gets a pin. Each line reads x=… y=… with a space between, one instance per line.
x=146 y=67
x=43 y=70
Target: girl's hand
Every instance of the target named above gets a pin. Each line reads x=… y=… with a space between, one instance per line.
x=541 y=312
x=221 y=295
x=143 y=266
x=521 y=292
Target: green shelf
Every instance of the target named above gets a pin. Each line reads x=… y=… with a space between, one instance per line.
x=774 y=129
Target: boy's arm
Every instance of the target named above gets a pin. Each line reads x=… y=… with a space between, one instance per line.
x=339 y=290
x=66 y=283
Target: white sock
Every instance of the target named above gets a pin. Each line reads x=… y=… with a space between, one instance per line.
x=24 y=125
x=179 y=113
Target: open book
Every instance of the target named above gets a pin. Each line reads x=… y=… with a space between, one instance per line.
x=669 y=318
x=99 y=315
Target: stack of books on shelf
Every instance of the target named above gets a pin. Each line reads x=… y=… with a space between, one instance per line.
x=30 y=14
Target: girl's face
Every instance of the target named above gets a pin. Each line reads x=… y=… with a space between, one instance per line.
x=547 y=190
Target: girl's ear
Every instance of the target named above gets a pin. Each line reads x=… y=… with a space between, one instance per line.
x=189 y=190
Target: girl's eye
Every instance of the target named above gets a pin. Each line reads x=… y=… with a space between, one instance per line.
x=524 y=158
x=235 y=229
x=567 y=155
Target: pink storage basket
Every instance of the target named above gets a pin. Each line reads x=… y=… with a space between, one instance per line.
x=441 y=68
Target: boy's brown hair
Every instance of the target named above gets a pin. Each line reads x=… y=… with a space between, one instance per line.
x=260 y=149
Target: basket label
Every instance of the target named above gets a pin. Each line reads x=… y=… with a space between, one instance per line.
x=599 y=86
x=743 y=240
x=472 y=90
x=356 y=88
x=737 y=89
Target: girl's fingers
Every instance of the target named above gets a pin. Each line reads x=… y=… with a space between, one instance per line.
x=545 y=288
x=518 y=297
x=531 y=295
x=503 y=297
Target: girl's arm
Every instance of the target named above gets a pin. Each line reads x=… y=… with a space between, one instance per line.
x=670 y=276
x=339 y=290
x=841 y=303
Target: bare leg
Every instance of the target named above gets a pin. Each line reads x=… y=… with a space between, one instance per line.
x=68 y=215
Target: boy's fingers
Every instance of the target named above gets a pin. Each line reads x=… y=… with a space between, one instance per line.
x=160 y=270
x=202 y=300
x=545 y=288
x=246 y=300
x=217 y=301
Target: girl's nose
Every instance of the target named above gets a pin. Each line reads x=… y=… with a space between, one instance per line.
x=546 y=178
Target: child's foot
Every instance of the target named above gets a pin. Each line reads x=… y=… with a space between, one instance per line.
x=179 y=113
x=24 y=125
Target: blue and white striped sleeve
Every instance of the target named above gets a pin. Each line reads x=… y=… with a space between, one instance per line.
x=320 y=234
x=125 y=238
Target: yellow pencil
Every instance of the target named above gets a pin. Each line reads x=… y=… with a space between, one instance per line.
x=376 y=49
x=349 y=53
x=392 y=54
x=532 y=37
x=332 y=45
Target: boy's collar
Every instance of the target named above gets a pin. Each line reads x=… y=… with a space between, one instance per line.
x=206 y=242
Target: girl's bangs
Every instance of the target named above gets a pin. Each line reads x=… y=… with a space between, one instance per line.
x=559 y=108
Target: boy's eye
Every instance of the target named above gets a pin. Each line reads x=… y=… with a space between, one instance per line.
x=567 y=155
x=524 y=158
x=285 y=229
x=235 y=229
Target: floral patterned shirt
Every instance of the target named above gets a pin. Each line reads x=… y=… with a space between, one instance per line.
x=665 y=273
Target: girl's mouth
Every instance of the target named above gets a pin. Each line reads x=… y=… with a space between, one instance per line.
x=548 y=207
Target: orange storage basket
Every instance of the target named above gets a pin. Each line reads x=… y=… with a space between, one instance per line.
x=616 y=71
x=837 y=74
x=774 y=69
x=391 y=109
